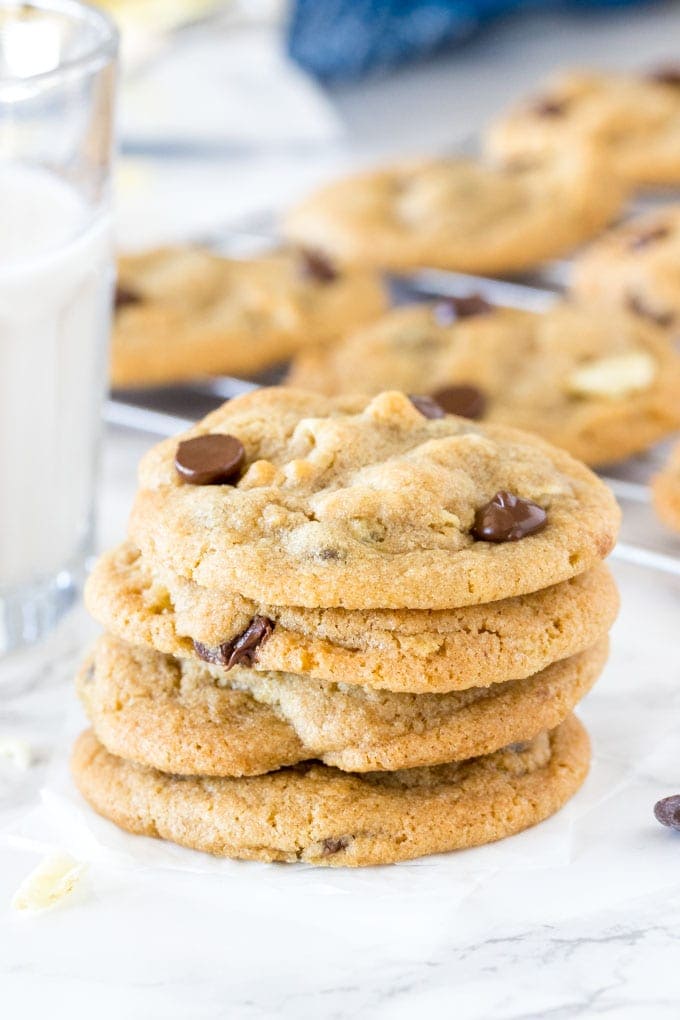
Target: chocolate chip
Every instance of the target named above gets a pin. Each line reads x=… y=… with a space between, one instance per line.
x=428 y=407
x=546 y=106
x=126 y=296
x=639 y=307
x=507 y=518
x=328 y=553
x=450 y=309
x=667 y=811
x=242 y=650
x=214 y=459
x=649 y=236
x=317 y=266
x=333 y=845
x=464 y=399
x=668 y=74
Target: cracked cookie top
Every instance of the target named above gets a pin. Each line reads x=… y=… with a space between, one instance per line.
x=361 y=502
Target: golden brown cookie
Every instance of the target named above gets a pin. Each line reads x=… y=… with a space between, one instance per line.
x=635 y=266
x=185 y=718
x=399 y=650
x=666 y=491
x=603 y=384
x=460 y=214
x=364 y=503
x=632 y=121
x=186 y=312
x=320 y=815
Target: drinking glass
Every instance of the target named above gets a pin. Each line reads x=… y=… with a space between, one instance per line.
x=57 y=94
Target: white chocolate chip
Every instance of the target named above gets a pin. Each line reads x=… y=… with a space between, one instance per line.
x=18 y=752
x=615 y=377
x=48 y=884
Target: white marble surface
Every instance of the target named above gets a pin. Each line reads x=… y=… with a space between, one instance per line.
x=584 y=925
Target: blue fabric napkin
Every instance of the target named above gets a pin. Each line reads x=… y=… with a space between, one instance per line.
x=347 y=39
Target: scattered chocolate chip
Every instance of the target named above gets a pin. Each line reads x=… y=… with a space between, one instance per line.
x=639 y=307
x=126 y=296
x=547 y=106
x=646 y=237
x=464 y=399
x=667 y=74
x=317 y=266
x=667 y=811
x=428 y=407
x=242 y=650
x=507 y=518
x=333 y=845
x=450 y=309
x=214 y=459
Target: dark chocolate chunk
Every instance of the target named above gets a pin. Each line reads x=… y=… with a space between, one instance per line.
x=316 y=266
x=450 y=309
x=667 y=74
x=333 y=845
x=242 y=650
x=646 y=237
x=548 y=106
x=507 y=518
x=213 y=459
x=667 y=811
x=464 y=399
x=126 y=296
x=639 y=307
x=428 y=407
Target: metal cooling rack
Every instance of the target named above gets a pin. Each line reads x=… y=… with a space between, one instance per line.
x=168 y=410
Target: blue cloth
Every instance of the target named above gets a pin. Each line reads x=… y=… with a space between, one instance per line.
x=347 y=39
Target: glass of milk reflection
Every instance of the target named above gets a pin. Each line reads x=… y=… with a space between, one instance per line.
x=57 y=91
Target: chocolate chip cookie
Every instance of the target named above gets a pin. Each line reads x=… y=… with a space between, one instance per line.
x=186 y=718
x=397 y=650
x=603 y=384
x=636 y=266
x=631 y=120
x=318 y=814
x=460 y=214
x=186 y=312
x=362 y=503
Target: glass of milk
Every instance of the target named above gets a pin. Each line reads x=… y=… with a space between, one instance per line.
x=57 y=91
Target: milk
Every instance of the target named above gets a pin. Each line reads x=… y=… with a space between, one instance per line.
x=55 y=287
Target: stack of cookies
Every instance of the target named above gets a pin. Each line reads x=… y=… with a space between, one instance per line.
x=346 y=631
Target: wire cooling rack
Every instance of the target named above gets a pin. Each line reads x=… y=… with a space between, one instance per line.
x=165 y=411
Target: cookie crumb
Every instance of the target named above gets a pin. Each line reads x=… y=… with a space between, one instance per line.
x=49 y=884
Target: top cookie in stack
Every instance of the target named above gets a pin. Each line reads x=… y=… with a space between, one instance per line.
x=346 y=631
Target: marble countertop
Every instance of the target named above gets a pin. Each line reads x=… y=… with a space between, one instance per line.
x=579 y=921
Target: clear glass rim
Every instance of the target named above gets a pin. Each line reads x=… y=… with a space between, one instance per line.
x=104 y=49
